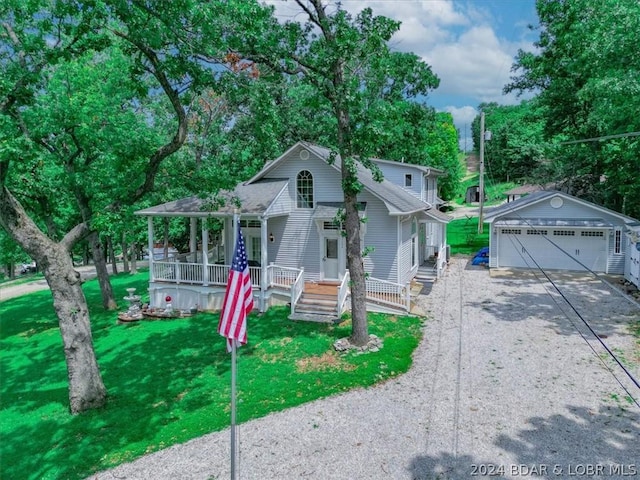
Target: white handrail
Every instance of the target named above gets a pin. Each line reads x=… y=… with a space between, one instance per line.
x=343 y=291
x=296 y=290
x=283 y=277
x=382 y=291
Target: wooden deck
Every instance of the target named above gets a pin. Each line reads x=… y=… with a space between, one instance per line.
x=321 y=288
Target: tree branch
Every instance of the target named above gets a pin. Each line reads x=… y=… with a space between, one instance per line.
x=172 y=94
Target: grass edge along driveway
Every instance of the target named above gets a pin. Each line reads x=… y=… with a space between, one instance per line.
x=168 y=380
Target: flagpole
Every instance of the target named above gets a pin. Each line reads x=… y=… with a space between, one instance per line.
x=236 y=219
x=233 y=409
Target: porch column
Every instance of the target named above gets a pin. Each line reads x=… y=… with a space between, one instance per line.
x=150 y=247
x=193 y=236
x=229 y=239
x=263 y=263
x=205 y=253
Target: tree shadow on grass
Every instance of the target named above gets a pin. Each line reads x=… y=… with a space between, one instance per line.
x=580 y=443
x=167 y=381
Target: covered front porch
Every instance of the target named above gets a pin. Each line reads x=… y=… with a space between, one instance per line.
x=197 y=279
x=196 y=285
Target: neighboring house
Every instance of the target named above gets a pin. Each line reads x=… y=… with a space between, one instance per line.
x=632 y=257
x=524 y=190
x=555 y=230
x=288 y=217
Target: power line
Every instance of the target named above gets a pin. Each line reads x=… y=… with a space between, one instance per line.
x=586 y=323
x=599 y=139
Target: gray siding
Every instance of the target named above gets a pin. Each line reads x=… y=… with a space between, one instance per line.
x=430 y=190
x=327 y=185
x=569 y=210
x=297 y=243
x=396 y=173
x=381 y=234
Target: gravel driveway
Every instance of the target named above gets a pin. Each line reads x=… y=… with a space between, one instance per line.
x=504 y=385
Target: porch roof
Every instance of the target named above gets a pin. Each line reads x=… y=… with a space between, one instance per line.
x=437 y=215
x=329 y=210
x=254 y=199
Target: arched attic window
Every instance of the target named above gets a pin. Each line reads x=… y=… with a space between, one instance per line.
x=304 y=189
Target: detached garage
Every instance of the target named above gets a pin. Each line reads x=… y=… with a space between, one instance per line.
x=554 y=230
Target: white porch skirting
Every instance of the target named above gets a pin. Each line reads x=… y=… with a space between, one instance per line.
x=185 y=297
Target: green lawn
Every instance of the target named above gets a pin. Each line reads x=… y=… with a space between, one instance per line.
x=463 y=236
x=168 y=380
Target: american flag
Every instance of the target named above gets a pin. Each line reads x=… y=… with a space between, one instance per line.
x=238 y=299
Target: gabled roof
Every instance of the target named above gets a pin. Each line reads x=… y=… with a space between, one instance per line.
x=537 y=197
x=435 y=172
x=396 y=199
x=254 y=199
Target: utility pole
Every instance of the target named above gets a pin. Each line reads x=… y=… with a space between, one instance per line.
x=481 y=186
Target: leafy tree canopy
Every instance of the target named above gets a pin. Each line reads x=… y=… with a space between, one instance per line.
x=587 y=73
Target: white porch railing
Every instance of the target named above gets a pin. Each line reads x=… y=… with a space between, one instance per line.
x=388 y=293
x=343 y=291
x=282 y=277
x=180 y=272
x=296 y=290
x=378 y=291
x=193 y=273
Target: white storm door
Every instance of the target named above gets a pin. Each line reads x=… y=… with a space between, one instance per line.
x=330 y=258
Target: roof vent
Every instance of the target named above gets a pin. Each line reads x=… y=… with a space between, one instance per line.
x=556 y=202
x=304 y=154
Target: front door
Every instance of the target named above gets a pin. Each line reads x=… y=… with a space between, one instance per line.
x=330 y=259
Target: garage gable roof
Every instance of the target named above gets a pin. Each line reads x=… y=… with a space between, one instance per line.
x=512 y=209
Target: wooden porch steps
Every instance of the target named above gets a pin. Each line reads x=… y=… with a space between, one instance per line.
x=318 y=303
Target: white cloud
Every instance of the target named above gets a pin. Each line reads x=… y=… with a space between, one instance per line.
x=475 y=64
x=462 y=115
x=462 y=119
x=458 y=39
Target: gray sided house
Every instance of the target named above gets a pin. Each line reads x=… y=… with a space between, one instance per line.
x=554 y=230
x=288 y=215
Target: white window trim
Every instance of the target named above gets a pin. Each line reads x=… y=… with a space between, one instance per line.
x=617 y=242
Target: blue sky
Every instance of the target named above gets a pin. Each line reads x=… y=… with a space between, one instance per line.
x=470 y=45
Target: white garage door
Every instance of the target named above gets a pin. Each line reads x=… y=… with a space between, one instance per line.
x=553 y=248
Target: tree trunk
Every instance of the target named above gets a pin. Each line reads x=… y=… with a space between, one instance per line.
x=108 y=300
x=85 y=254
x=134 y=258
x=86 y=389
x=112 y=256
x=359 y=324
x=125 y=256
